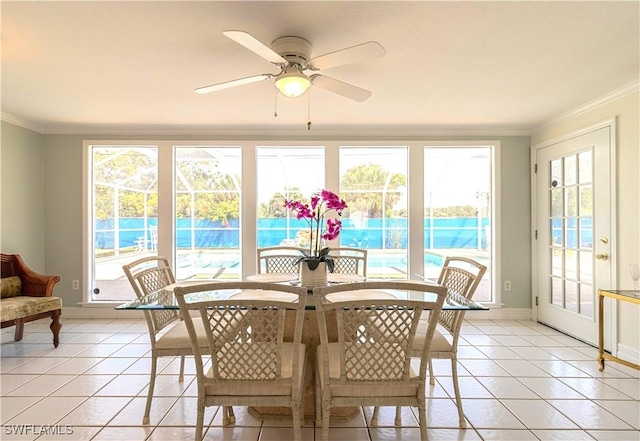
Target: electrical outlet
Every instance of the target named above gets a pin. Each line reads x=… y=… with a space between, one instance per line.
x=507 y=285
x=75 y=285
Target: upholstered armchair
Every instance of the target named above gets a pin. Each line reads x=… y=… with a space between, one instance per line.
x=27 y=296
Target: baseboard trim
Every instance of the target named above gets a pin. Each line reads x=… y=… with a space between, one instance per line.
x=99 y=313
x=500 y=314
x=628 y=353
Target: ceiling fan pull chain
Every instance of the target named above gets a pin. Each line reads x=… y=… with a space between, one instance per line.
x=309 y=109
x=275 y=102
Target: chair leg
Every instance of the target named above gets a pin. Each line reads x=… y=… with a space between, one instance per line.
x=422 y=417
x=228 y=417
x=318 y=400
x=326 y=416
x=19 y=330
x=200 y=419
x=374 y=417
x=456 y=389
x=432 y=379
x=55 y=327
x=181 y=374
x=398 y=420
x=295 y=410
x=152 y=384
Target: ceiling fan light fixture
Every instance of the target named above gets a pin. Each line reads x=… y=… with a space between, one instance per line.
x=293 y=83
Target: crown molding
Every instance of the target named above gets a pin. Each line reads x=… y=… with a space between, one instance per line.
x=632 y=87
x=276 y=132
x=16 y=121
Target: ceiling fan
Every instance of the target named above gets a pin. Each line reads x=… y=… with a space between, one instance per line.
x=297 y=69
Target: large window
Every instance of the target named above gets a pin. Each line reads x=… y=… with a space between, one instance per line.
x=124 y=207
x=209 y=206
x=207 y=212
x=285 y=173
x=373 y=183
x=457 y=215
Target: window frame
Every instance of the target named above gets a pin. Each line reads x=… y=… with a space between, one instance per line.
x=248 y=209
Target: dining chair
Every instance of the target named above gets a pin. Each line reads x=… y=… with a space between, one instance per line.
x=167 y=331
x=349 y=260
x=280 y=259
x=251 y=364
x=461 y=277
x=368 y=362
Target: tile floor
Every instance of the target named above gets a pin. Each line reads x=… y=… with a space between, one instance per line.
x=519 y=381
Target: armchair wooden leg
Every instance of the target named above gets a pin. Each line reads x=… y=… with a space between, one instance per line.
x=55 y=327
x=19 y=330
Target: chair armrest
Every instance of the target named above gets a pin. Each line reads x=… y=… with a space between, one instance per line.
x=35 y=284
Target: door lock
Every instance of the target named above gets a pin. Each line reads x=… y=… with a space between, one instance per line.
x=602 y=256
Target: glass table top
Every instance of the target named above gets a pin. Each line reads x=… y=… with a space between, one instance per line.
x=165 y=299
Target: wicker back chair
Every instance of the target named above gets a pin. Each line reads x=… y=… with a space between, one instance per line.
x=349 y=261
x=461 y=277
x=167 y=332
x=369 y=363
x=251 y=364
x=280 y=260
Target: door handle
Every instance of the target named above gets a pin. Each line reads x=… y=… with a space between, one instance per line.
x=602 y=256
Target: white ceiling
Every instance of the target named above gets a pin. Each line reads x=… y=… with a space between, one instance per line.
x=127 y=67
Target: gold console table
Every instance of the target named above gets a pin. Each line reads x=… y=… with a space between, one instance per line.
x=627 y=295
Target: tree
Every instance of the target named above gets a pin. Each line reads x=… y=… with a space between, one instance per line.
x=215 y=194
x=274 y=207
x=363 y=188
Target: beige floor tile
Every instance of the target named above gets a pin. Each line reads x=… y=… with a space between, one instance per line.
x=49 y=410
x=9 y=382
x=507 y=387
x=12 y=406
x=549 y=388
x=627 y=411
x=83 y=386
x=352 y=433
x=595 y=389
x=615 y=435
x=507 y=435
x=42 y=385
x=132 y=413
x=490 y=414
x=538 y=414
x=123 y=433
x=95 y=411
x=589 y=416
x=283 y=433
x=113 y=366
x=568 y=435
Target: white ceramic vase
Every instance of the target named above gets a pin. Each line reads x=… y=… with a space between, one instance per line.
x=310 y=278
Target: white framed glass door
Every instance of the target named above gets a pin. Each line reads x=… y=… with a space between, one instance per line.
x=573 y=247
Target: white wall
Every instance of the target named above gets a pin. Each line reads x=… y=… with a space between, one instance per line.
x=63 y=156
x=626 y=109
x=22 y=207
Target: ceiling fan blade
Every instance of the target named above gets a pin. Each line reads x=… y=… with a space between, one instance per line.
x=250 y=42
x=233 y=83
x=361 y=52
x=340 y=87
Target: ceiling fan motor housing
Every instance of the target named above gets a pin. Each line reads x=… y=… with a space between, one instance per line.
x=295 y=50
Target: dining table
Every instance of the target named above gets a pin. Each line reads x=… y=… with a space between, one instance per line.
x=164 y=299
